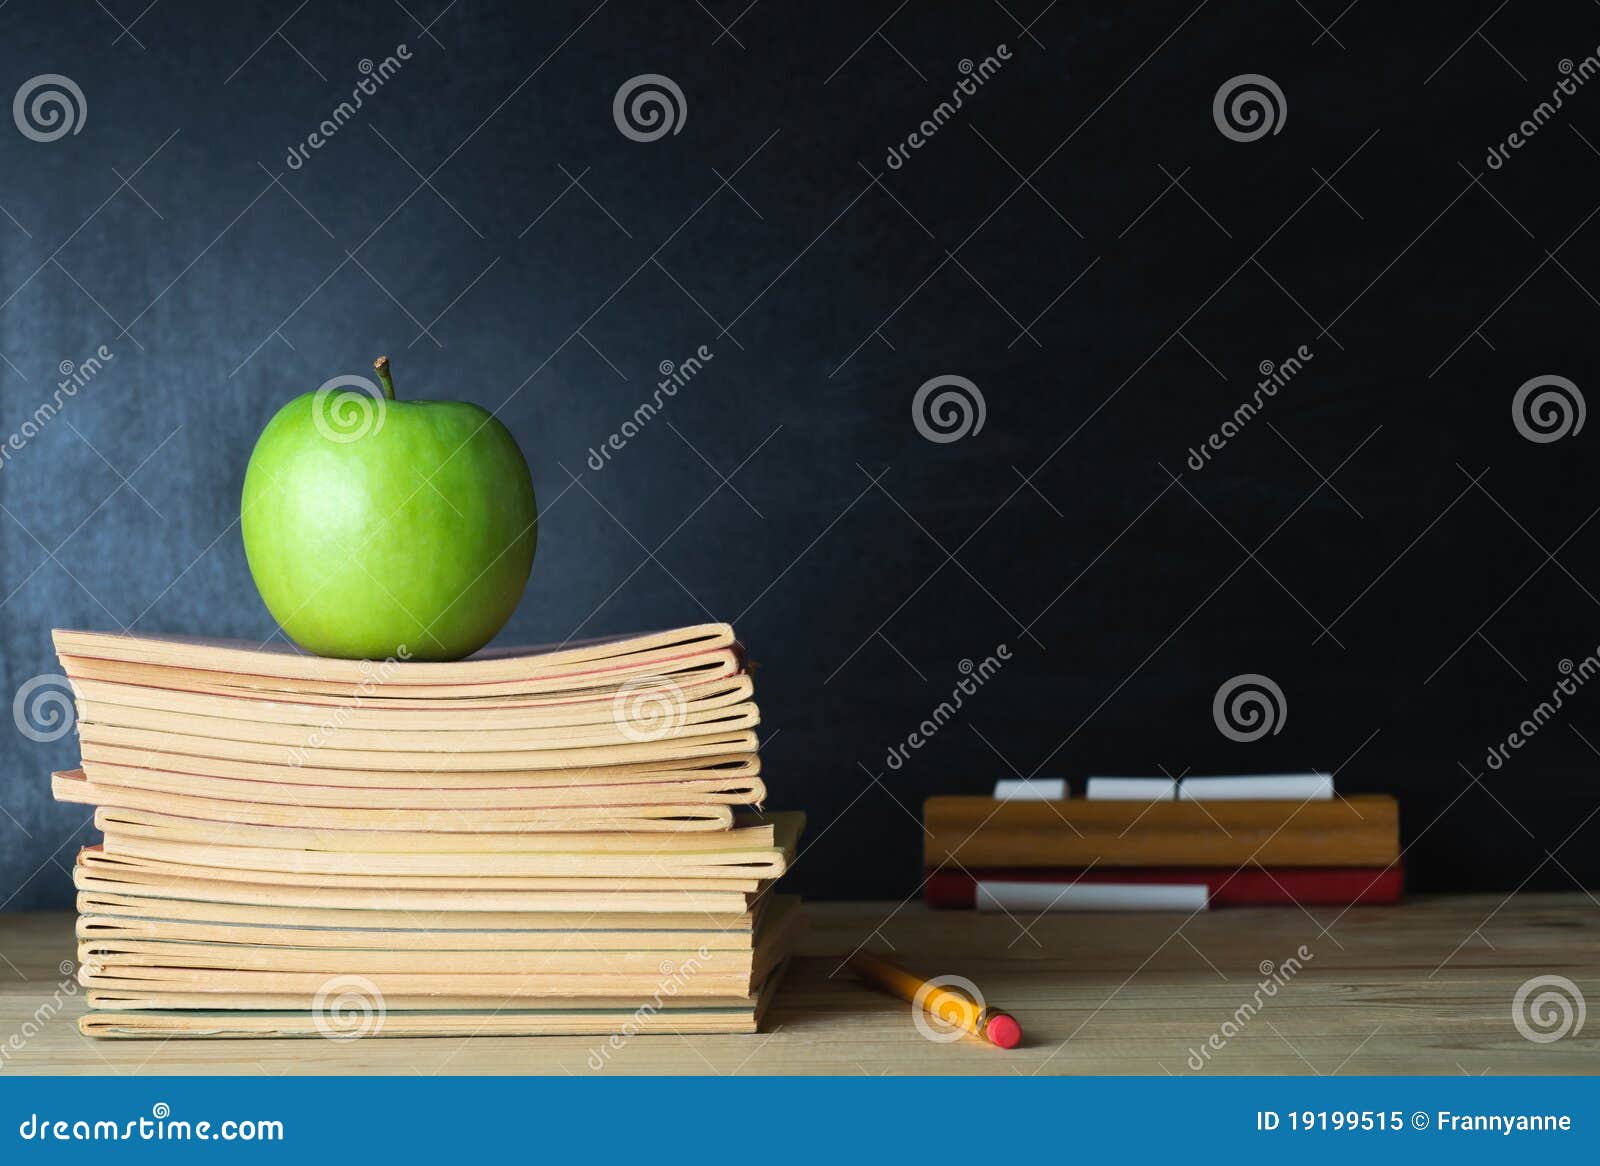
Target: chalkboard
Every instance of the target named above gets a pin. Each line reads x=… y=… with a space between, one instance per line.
x=1126 y=356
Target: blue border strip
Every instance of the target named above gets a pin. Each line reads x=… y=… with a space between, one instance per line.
x=775 y=1121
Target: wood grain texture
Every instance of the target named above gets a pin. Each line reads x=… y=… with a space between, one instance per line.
x=1426 y=987
x=976 y=831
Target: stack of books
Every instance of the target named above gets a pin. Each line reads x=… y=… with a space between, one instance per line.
x=553 y=841
x=1156 y=844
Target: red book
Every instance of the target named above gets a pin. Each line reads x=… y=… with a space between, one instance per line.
x=1328 y=886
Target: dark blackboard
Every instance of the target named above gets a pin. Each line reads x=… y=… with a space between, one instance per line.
x=1079 y=239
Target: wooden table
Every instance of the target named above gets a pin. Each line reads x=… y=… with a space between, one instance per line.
x=1423 y=988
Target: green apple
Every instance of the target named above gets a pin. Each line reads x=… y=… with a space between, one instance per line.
x=378 y=528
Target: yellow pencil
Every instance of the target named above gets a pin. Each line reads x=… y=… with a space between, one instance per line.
x=954 y=1008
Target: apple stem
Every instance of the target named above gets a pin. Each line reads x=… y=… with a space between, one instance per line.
x=381 y=365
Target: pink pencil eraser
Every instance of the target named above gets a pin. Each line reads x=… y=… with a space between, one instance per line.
x=1003 y=1030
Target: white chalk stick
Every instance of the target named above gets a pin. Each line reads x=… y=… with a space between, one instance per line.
x=1067 y=896
x=1132 y=789
x=1036 y=789
x=1298 y=787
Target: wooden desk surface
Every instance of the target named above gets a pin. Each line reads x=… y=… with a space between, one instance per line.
x=1423 y=988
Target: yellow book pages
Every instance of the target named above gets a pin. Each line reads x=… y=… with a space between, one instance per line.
x=114 y=869
x=588 y=658
x=115 y=957
x=487 y=1021
x=496 y=985
x=452 y=732
x=685 y=670
x=194 y=1016
x=133 y=911
x=195 y=897
x=127 y=762
x=291 y=932
x=751 y=835
x=217 y=817
x=760 y=849
x=756 y=862
x=137 y=999
x=601 y=707
x=219 y=800
x=767 y=922
x=225 y=970
x=746 y=834
x=440 y=757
